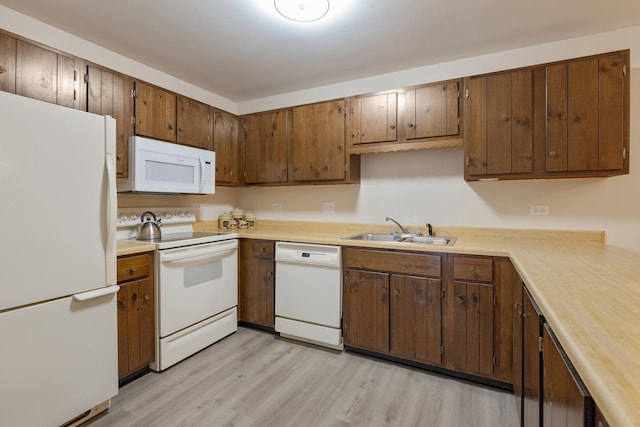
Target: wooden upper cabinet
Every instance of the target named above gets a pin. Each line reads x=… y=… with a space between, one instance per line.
x=318 y=142
x=48 y=76
x=155 y=112
x=195 y=123
x=566 y=119
x=7 y=63
x=373 y=118
x=227 y=144
x=587 y=103
x=265 y=147
x=429 y=111
x=499 y=124
x=109 y=93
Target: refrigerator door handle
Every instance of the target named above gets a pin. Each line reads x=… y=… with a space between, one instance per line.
x=201 y=173
x=96 y=293
x=112 y=205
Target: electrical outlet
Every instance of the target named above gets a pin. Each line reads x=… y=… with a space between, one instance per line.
x=538 y=210
x=276 y=206
x=197 y=206
x=329 y=207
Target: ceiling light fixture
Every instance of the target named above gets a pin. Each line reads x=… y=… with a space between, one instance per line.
x=302 y=10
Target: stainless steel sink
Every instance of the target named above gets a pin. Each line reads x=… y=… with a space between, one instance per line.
x=420 y=240
x=374 y=237
x=424 y=240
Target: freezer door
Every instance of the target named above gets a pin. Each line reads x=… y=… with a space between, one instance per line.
x=58 y=198
x=59 y=359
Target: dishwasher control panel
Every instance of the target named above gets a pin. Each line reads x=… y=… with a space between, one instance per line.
x=308 y=253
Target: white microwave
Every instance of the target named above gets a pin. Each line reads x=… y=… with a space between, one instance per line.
x=163 y=167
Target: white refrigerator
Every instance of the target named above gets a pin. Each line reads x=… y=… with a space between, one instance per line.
x=58 y=320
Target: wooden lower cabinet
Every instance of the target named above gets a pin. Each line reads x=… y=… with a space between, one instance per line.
x=256 y=289
x=396 y=310
x=567 y=402
x=136 y=314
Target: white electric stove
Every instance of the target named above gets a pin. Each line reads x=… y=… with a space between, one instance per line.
x=196 y=282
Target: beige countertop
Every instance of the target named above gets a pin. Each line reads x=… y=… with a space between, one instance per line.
x=129 y=247
x=589 y=293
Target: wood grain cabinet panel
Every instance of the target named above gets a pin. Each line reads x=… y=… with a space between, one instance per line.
x=195 y=123
x=7 y=63
x=429 y=111
x=373 y=118
x=586 y=114
x=48 y=76
x=499 y=124
x=366 y=310
x=416 y=318
x=266 y=147
x=227 y=145
x=567 y=402
x=155 y=112
x=136 y=314
x=256 y=288
x=318 y=142
x=110 y=93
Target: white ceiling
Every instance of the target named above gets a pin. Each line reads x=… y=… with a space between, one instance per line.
x=243 y=50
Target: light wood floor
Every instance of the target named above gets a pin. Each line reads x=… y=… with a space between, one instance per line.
x=253 y=378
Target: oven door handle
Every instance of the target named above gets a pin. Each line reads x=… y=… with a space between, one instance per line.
x=183 y=254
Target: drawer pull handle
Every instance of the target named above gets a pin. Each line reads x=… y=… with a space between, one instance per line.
x=134 y=268
x=459 y=300
x=396 y=292
x=147 y=297
x=473 y=269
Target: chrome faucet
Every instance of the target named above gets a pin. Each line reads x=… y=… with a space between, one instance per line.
x=403 y=230
x=430 y=228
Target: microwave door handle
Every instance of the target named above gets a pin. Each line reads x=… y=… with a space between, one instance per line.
x=201 y=173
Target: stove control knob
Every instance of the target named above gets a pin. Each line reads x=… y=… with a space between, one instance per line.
x=167 y=215
x=133 y=216
x=181 y=214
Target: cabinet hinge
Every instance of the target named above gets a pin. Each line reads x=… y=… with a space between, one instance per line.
x=458 y=93
x=494 y=360
x=442 y=349
x=495 y=300
x=466 y=93
x=624 y=153
x=442 y=293
x=75 y=75
x=459 y=120
x=75 y=95
x=133 y=120
x=540 y=344
x=86 y=78
x=624 y=70
x=133 y=93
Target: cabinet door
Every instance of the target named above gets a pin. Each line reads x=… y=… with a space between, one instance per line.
x=518 y=358
x=499 y=118
x=586 y=115
x=226 y=144
x=257 y=282
x=366 y=310
x=265 y=147
x=416 y=318
x=146 y=316
x=318 y=143
x=567 y=402
x=155 y=111
x=109 y=93
x=36 y=72
x=7 y=63
x=431 y=111
x=473 y=335
x=373 y=118
x=533 y=322
x=195 y=123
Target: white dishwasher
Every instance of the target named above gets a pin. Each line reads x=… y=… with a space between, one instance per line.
x=309 y=293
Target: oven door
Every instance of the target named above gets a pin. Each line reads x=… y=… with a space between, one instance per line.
x=195 y=283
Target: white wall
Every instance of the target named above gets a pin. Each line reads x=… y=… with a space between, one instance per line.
x=414 y=187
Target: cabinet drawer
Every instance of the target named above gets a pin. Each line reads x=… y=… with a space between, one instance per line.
x=133 y=267
x=263 y=249
x=474 y=269
x=394 y=262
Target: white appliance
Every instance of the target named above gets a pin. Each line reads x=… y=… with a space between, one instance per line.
x=309 y=293
x=163 y=167
x=58 y=318
x=196 y=283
